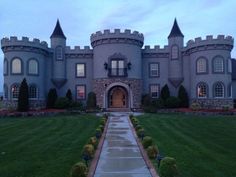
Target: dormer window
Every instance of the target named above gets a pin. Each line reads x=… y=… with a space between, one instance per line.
x=117 y=68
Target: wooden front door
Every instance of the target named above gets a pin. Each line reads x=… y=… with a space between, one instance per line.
x=118 y=98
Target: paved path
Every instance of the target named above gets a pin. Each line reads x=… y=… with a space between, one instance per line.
x=120 y=156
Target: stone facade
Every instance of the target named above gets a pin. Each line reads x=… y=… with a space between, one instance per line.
x=118 y=59
x=214 y=103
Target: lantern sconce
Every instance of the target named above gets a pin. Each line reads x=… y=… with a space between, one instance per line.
x=105 y=65
x=129 y=65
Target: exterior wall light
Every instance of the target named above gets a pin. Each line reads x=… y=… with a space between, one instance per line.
x=105 y=66
x=129 y=65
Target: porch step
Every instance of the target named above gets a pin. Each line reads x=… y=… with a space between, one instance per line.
x=118 y=110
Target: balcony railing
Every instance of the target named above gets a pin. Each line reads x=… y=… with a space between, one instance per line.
x=117 y=72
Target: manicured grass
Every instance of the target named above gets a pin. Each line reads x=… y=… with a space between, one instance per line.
x=43 y=147
x=202 y=146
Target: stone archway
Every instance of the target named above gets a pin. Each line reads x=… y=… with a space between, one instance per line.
x=117 y=97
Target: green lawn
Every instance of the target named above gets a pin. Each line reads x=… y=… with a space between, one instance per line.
x=43 y=147
x=202 y=146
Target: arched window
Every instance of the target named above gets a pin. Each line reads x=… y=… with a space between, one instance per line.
x=201 y=65
x=218 y=90
x=33 y=66
x=59 y=55
x=5 y=91
x=229 y=65
x=16 y=66
x=33 y=91
x=218 y=65
x=5 y=69
x=175 y=52
x=15 y=88
x=202 y=91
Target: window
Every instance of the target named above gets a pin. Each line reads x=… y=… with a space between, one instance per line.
x=117 y=68
x=5 y=91
x=230 y=91
x=154 y=70
x=218 y=65
x=33 y=67
x=15 y=91
x=59 y=55
x=175 y=52
x=154 y=91
x=80 y=92
x=5 y=70
x=16 y=66
x=229 y=65
x=202 y=90
x=201 y=65
x=33 y=92
x=80 y=70
x=218 y=90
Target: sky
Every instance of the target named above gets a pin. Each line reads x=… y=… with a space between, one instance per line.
x=80 y=18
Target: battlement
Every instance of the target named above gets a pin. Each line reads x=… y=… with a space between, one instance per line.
x=116 y=35
x=24 y=41
x=78 y=50
x=155 y=49
x=210 y=40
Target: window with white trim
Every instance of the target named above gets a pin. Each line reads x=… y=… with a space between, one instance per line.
x=33 y=91
x=202 y=90
x=218 y=90
x=154 y=90
x=154 y=69
x=218 y=65
x=201 y=65
x=80 y=70
x=16 y=66
x=33 y=66
x=80 y=92
x=15 y=91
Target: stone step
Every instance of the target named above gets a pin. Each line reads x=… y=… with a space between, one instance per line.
x=118 y=110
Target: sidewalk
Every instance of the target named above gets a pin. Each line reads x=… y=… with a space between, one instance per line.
x=120 y=156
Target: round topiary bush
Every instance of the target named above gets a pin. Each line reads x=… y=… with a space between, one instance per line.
x=195 y=106
x=98 y=133
x=147 y=141
x=138 y=127
x=168 y=167
x=141 y=133
x=93 y=141
x=88 y=151
x=101 y=127
x=102 y=122
x=152 y=152
x=79 y=170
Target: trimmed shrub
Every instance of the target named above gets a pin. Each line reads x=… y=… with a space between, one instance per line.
x=165 y=92
x=147 y=141
x=79 y=170
x=69 y=95
x=98 y=133
x=62 y=103
x=51 y=98
x=168 y=167
x=150 y=109
x=93 y=141
x=23 y=99
x=140 y=133
x=195 y=106
x=152 y=152
x=183 y=97
x=91 y=101
x=88 y=151
x=172 y=102
x=158 y=103
x=138 y=127
x=101 y=127
x=146 y=100
x=103 y=122
x=77 y=105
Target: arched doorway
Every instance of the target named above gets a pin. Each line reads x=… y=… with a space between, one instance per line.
x=118 y=97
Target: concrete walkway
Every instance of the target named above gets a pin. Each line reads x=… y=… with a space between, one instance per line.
x=120 y=156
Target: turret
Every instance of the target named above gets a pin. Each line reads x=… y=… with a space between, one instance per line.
x=175 y=42
x=58 y=44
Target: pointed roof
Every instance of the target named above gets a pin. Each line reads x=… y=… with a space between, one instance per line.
x=175 y=31
x=58 y=31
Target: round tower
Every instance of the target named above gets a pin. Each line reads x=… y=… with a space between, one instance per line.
x=58 y=44
x=117 y=68
x=175 y=42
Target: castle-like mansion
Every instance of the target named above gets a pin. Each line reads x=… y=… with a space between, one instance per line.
x=119 y=69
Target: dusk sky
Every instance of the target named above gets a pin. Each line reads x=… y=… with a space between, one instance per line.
x=153 y=18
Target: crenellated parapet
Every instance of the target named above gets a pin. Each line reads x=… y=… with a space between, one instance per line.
x=78 y=52
x=209 y=43
x=155 y=52
x=23 y=44
x=117 y=36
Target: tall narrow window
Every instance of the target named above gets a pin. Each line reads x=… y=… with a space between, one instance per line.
x=32 y=92
x=218 y=90
x=202 y=90
x=16 y=66
x=154 y=90
x=201 y=65
x=117 y=68
x=218 y=65
x=229 y=65
x=80 y=92
x=5 y=69
x=175 y=52
x=154 y=69
x=59 y=53
x=33 y=67
x=15 y=91
x=80 y=70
